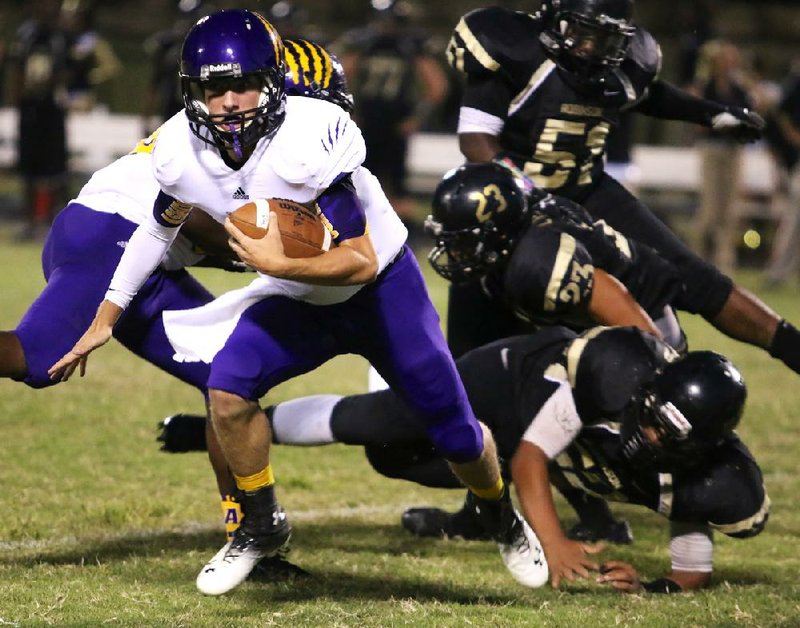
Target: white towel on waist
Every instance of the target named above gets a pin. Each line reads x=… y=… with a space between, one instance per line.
x=197 y=335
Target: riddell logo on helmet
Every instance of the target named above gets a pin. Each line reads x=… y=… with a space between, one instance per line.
x=227 y=69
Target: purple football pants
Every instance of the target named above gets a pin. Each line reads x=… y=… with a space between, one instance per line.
x=391 y=322
x=78 y=260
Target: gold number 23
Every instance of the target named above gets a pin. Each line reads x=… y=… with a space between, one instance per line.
x=482 y=198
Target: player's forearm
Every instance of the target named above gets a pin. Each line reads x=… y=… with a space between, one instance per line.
x=351 y=263
x=205 y=232
x=612 y=304
x=532 y=481
x=666 y=101
x=108 y=313
x=143 y=253
x=478 y=147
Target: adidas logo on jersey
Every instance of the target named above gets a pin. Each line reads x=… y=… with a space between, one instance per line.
x=240 y=195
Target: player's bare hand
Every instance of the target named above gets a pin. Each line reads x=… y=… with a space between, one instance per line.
x=266 y=255
x=570 y=560
x=619 y=575
x=76 y=357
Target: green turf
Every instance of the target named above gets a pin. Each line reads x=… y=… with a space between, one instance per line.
x=99 y=527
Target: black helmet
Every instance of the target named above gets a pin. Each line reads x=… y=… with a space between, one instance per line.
x=692 y=405
x=479 y=211
x=587 y=38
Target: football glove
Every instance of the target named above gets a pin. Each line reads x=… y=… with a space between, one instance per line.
x=743 y=125
x=181 y=433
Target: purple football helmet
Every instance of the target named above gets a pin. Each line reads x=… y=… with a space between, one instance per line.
x=236 y=50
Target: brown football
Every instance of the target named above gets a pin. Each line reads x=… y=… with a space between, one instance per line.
x=303 y=231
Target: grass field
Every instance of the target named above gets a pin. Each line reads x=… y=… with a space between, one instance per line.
x=99 y=527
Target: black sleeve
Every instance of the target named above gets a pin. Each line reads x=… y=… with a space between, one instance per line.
x=490 y=94
x=608 y=365
x=549 y=275
x=727 y=492
x=666 y=101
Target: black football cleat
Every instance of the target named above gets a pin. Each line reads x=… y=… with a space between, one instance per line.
x=437 y=523
x=277 y=569
x=616 y=531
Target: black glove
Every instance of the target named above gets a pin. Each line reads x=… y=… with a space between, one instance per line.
x=743 y=125
x=181 y=433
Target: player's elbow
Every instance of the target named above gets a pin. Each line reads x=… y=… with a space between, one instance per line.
x=368 y=272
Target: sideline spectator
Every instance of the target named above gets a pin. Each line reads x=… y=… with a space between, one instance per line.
x=37 y=61
x=719 y=80
x=163 y=98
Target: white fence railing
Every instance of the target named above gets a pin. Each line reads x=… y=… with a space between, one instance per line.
x=97 y=138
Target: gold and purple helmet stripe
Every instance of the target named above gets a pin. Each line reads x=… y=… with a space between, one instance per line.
x=273 y=35
x=308 y=62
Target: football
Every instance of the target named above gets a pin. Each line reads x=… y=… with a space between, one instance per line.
x=303 y=231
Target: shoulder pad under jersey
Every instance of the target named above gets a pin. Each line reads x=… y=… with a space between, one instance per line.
x=316 y=143
x=492 y=40
x=606 y=366
x=170 y=148
x=550 y=274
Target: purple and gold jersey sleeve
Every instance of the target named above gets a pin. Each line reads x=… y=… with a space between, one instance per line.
x=342 y=211
x=550 y=275
x=169 y=212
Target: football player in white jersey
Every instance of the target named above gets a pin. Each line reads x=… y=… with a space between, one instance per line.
x=82 y=250
x=239 y=138
x=101 y=219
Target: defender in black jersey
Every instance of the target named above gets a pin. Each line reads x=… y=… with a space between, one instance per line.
x=580 y=400
x=544 y=90
x=527 y=258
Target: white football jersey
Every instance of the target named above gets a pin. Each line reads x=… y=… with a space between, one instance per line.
x=126 y=187
x=316 y=143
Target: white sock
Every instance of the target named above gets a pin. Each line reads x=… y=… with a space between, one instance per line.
x=305 y=421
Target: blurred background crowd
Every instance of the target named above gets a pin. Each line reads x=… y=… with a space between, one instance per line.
x=63 y=60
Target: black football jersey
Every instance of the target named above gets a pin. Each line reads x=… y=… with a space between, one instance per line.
x=555 y=128
x=510 y=380
x=514 y=377
x=550 y=275
x=725 y=492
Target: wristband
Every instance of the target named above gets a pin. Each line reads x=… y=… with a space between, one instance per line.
x=785 y=345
